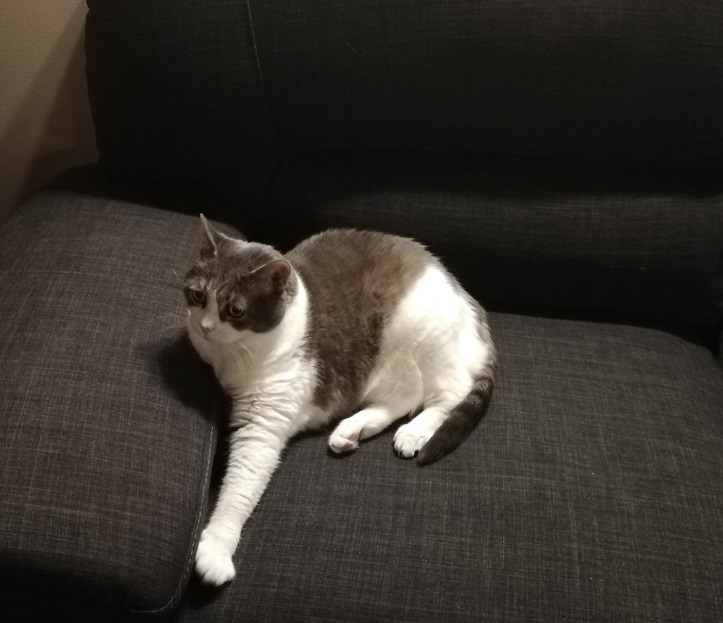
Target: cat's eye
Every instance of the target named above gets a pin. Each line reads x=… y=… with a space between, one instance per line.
x=198 y=297
x=236 y=312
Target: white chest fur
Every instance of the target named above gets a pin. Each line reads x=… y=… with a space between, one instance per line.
x=266 y=374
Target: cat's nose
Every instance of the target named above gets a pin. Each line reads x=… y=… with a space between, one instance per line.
x=206 y=327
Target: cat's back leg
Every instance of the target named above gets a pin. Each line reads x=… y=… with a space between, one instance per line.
x=411 y=437
x=456 y=397
x=394 y=390
x=385 y=404
x=455 y=359
x=366 y=423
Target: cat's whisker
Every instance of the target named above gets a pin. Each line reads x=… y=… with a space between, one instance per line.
x=171 y=322
x=250 y=353
x=232 y=351
x=171 y=318
x=178 y=283
x=240 y=362
x=238 y=358
x=173 y=314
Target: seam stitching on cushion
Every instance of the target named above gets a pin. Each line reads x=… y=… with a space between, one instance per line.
x=196 y=531
x=270 y=118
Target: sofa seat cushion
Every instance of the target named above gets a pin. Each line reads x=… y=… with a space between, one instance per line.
x=592 y=490
x=104 y=464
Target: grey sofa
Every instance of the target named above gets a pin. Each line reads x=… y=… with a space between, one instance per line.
x=566 y=162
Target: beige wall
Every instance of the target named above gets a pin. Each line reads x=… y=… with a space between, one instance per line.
x=45 y=120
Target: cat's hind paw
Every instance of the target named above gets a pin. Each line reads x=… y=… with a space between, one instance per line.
x=338 y=442
x=409 y=440
x=213 y=561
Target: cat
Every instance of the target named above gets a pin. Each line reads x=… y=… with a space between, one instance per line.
x=348 y=322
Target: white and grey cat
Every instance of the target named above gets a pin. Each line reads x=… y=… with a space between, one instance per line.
x=363 y=326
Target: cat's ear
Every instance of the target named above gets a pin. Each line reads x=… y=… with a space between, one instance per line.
x=274 y=275
x=211 y=239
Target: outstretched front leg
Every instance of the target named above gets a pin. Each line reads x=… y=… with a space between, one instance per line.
x=255 y=449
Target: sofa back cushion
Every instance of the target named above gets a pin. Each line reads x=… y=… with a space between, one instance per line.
x=521 y=235
x=456 y=123
x=181 y=90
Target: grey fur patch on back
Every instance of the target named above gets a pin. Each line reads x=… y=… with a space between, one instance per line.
x=355 y=282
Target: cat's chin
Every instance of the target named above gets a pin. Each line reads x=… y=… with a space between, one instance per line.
x=214 y=340
x=222 y=339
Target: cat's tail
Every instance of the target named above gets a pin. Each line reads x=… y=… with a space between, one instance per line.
x=462 y=419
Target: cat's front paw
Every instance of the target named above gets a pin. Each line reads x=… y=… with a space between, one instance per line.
x=410 y=439
x=213 y=560
x=340 y=442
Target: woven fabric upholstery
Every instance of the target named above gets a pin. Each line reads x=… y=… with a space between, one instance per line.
x=396 y=116
x=591 y=491
x=614 y=80
x=562 y=158
x=176 y=94
x=521 y=233
x=103 y=463
x=181 y=91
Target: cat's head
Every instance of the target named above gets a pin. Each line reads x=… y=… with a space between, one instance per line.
x=236 y=286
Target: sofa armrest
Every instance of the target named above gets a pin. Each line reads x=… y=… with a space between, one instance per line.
x=104 y=463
